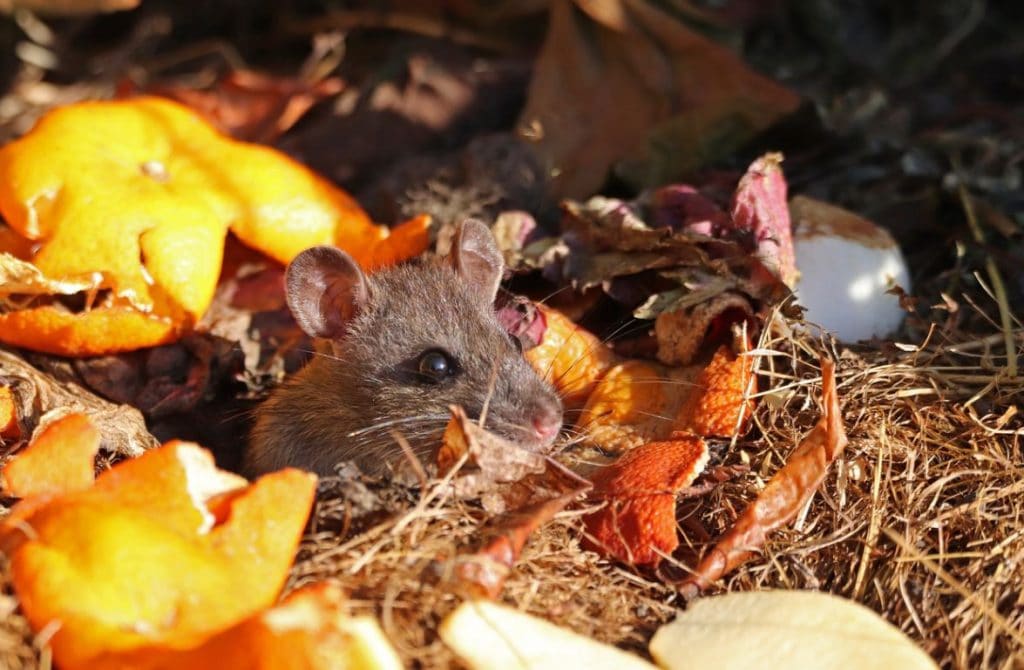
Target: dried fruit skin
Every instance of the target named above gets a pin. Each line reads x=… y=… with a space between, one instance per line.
x=99 y=331
x=639 y=520
x=784 y=495
x=570 y=358
x=9 y=428
x=59 y=460
x=308 y=631
x=632 y=404
x=161 y=552
x=144 y=192
x=721 y=404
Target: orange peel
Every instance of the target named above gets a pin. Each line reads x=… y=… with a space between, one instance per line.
x=160 y=552
x=570 y=358
x=143 y=191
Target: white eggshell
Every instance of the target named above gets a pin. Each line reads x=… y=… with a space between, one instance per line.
x=846 y=265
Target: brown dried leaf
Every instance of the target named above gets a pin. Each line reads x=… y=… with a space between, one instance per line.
x=40 y=399
x=68 y=7
x=20 y=277
x=627 y=79
x=492 y=461
x=786 y=493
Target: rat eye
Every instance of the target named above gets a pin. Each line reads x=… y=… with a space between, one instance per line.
x=435 y=366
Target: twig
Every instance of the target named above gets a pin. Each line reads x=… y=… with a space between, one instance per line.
x=1005 y=316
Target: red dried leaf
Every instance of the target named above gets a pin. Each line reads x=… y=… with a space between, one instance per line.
x=484 y=573
x=759 y=205
x=246 y=104
x=640 y=488
x=786 y=493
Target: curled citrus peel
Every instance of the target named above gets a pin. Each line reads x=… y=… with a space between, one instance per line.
x=9 y=428
x=572 y=359
x=143 y=192
x=638 y=523
x=160 y=552
x=720 y=404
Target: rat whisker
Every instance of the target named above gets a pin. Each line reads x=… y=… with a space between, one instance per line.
x=393 y=422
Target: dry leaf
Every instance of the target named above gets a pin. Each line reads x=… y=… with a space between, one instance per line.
x=784 y=495
x=483 y=573
x=493 y=463
x=248 y=105
x=10 y=425
x=40 y=399
x=618 y=79
x=796 y=630
x=759 y=207
x=60 y=8
x=487 y=636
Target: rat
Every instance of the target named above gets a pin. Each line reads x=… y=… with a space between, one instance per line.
x=405 y=344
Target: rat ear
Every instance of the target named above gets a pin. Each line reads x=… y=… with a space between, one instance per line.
x=476 y=257
x=325 y=289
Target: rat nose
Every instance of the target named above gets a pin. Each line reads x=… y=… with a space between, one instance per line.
x=546 y=423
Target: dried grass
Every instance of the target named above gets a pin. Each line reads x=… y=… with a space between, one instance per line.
x=922 y=519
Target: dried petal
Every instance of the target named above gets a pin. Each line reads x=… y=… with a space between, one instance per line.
x=759 y=206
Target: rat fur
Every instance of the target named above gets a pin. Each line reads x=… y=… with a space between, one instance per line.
x=346 y=404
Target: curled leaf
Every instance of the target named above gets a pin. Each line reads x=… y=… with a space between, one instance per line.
x=40 y=399
x=491 y=461
x=785 y=494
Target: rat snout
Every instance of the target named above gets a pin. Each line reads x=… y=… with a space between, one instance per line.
x=546 y=422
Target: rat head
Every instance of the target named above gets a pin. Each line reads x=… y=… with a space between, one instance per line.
x=410 y=341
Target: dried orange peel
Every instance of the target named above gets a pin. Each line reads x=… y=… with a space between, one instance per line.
x=721 y=404
x=143 y=192
x=638 y=523
x=570 y=358
x=633 y=403
x=160 y=552
x=310 y=630
x=9 y=427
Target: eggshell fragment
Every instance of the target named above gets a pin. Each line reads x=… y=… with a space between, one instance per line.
x=846 y=265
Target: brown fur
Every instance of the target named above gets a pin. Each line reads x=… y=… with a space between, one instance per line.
x=338 y=408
